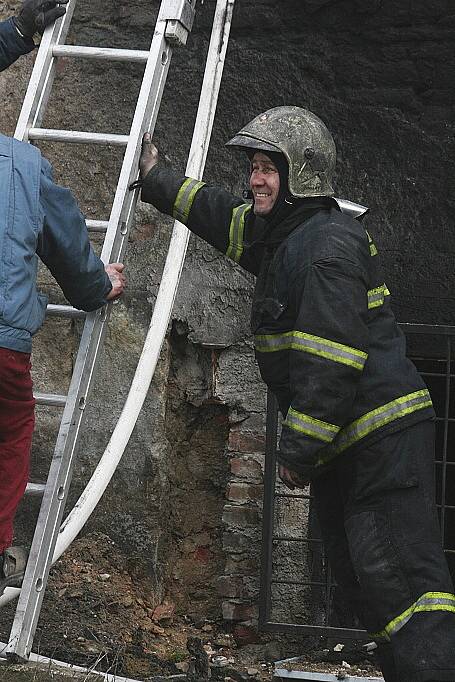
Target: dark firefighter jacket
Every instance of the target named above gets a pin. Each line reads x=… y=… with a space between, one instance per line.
x=326 y=340
x=12 y=45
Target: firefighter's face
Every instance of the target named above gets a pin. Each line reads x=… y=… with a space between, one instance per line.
x=264 y=183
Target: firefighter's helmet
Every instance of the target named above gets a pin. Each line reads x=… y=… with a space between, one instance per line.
x=305 y=142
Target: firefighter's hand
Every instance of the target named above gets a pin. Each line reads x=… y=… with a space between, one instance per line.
x=35 y=15
x=115 y=273
x=291 y=479
x=149 y=156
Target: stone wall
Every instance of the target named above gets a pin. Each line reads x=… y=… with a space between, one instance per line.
x=186 y=500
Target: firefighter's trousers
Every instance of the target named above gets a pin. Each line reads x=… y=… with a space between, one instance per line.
x=379 y=522
x=17 y=421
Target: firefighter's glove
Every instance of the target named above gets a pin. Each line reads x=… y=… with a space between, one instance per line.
x=36 y=15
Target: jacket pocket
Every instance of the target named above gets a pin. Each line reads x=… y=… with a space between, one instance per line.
x=386 y=465
x=37 y=314
x=270 y=299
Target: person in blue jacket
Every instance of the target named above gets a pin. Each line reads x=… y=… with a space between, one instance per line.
x=38 y=219
x=16 y=33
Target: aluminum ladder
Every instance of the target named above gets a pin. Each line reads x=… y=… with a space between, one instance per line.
x=174 y=23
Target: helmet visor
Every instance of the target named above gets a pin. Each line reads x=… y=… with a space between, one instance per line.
x=244 y=142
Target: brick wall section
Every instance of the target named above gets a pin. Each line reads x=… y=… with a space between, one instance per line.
x=242 y=517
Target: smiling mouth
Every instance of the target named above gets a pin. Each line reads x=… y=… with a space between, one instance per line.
x=261 y=195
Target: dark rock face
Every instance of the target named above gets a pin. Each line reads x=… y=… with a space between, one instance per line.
x=381 y=75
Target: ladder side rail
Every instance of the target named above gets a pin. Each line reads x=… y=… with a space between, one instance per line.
x=60 y=472
x=149 y=100
x=175 y=21
x=43 y=74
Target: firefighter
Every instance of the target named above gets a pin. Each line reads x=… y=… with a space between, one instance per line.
x=358 y=419
x=16 y=34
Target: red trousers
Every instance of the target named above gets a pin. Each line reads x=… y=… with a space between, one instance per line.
x=17 y=420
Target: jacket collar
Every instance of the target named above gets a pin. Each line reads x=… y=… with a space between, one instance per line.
x=278 y=229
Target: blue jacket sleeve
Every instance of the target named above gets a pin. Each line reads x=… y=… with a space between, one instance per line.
x=12 y=45
x=65 y=248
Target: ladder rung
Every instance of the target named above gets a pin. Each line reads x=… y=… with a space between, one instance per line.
x=50 y=399
x=54 y=310
x=97 y=225
x=108 y=53
x=35 y=489
x=77 y=137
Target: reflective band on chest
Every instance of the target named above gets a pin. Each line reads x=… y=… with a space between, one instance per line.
x=315 y=428
x=376 y=297
x=430 y=601
x=375 y=419
x=236 y=232
x=184 y=199
x=308 y=343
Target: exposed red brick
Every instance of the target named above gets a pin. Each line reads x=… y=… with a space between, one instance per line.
x=246 y=467
x=236 y=542
x=236 y=611
x=244 y=492
x=238 y=587
x=230 y=586
x=246 y=441
x=245 y=634
x=240 y=517
x=239 y=565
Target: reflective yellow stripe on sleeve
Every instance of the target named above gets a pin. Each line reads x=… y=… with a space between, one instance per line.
x=308 y=343
x=315 y=428
x=376 y=297
x=430 y=601
x=236 y=231
x=362 y=427
x=184 y=199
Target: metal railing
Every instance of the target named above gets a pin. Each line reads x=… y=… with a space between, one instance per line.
x=298 y=593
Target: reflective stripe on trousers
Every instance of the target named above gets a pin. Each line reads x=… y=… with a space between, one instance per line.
x=430 y=601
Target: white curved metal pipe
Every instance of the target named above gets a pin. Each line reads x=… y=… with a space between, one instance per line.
x=166 y=295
